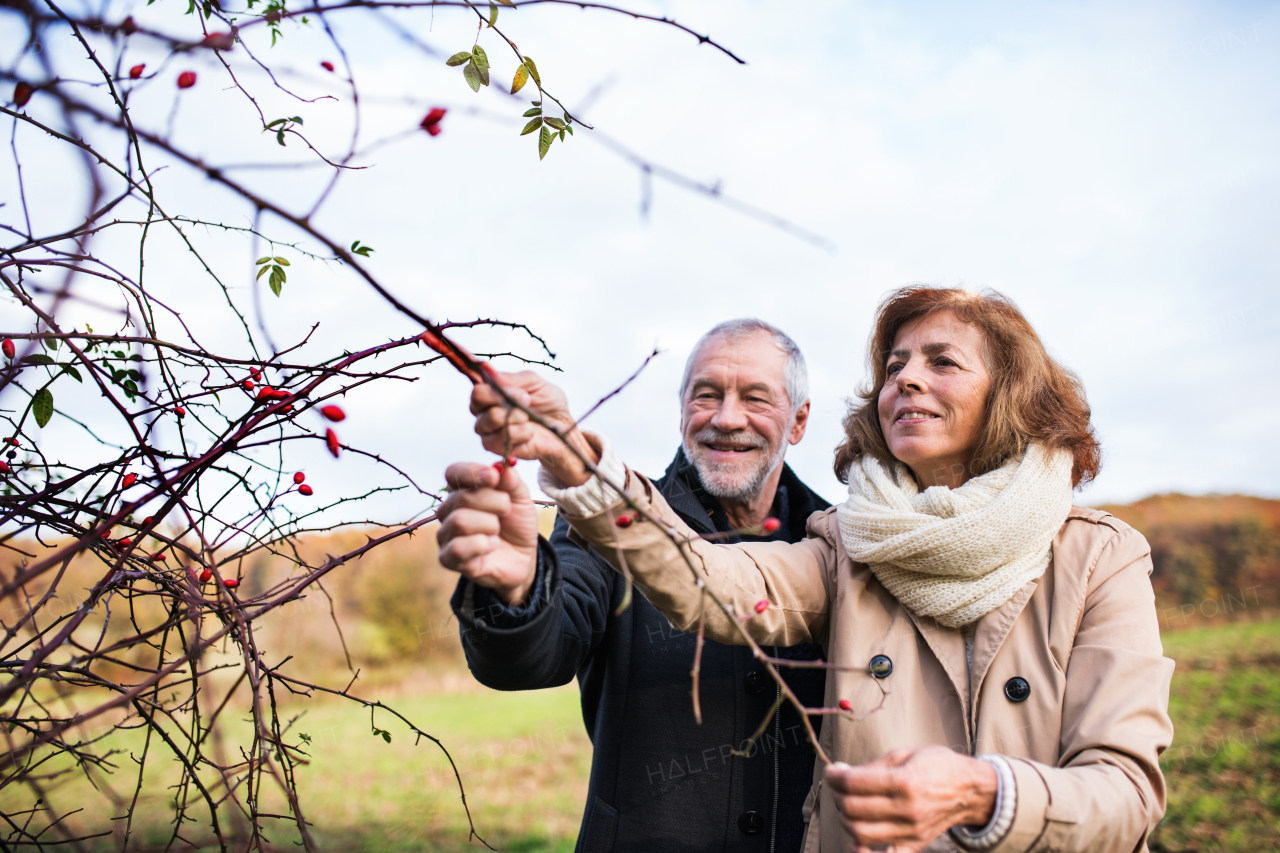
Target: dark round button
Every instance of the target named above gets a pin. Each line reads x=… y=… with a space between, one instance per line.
x=751 y=823
x=881 y=666
x=757 y=683
x=1017 y=689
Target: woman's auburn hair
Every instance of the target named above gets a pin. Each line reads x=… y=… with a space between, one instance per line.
x=1032 y=397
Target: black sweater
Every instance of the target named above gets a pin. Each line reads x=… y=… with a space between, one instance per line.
x=660 y=783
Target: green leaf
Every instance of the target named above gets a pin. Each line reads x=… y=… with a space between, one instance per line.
x=544 y=143
x=481 y=58
x=277 y=121
x=42 y=406
x=280 y=137
x=533 y=125
x=458 y=58
x=75 y=374
x=281 y=261
x=37 y=358
x=130 y=387
x=569 y=128
x=522 y=77
x=261 y=261
x=507 y=3
x=276 y=282
x=558 y=124
x=533 y=70
x=134 y=374
x=297 y=119
x=50 y=343
x=493 y=15
x=472 y=76
x=386 y=736
x=261 y=271
x=562 y=134
x=533 y=111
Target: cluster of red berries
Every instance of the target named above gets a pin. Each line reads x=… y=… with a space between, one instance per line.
x=303 y=488
x=229 y=583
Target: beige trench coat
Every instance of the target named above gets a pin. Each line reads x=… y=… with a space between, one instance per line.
x=1084 y=745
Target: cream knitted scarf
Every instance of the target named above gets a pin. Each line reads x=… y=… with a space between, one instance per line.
x=957 y=554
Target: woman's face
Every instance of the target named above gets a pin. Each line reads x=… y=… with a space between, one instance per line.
x=933 y=404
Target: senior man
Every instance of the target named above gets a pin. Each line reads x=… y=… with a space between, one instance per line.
x=534 y=614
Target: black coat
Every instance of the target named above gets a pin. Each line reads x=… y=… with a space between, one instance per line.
x=660 y=783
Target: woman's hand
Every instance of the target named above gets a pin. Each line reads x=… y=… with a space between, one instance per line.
x=909 y=797
x=489 y=529
x=507 y=430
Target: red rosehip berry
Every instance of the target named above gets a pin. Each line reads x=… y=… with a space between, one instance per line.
x=771 y=524
x=299 y=477
x=4 y=467
x=334 y=413
x=129 y=479
x=265 y=392
x=179 y=411
x=186 y=79
x=128 y=27
x=327 y=66
x=12 y=440
x=331 y=439
x=125 y=543
x=511 y=461
x=158 y=555
x=306 y=490
x=22 y=93
x=846 y=705
x=248 y=385
x=9 y=350
x=231 y=583
x=762 y=605
x=146 y=522
x=255 y=372
x=136 y=71
x=624 y=521
x=218 y=41
x=431 y=124
x=288 y=407
x=205 y=575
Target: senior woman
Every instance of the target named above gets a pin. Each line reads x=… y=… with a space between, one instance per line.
x=1015 y=634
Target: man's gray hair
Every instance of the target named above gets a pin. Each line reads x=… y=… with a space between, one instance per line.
x=795 y=373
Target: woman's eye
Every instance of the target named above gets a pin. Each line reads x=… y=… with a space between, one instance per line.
x=894 y=368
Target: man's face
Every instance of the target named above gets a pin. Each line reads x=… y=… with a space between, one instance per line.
x=737 y=419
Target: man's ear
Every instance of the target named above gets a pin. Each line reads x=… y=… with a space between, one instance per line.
x=799 y=424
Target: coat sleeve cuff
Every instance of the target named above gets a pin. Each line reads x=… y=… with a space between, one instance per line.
x=987 y=837
x=593 y=496
x=1031 y=812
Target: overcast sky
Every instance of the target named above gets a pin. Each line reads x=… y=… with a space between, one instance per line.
x=1111 y=167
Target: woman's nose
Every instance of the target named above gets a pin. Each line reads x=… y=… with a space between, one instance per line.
x=911 y=376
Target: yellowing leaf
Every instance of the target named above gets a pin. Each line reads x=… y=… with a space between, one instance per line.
x=522 y=77
x=533 y=71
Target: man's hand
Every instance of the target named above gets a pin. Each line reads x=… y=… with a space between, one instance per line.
x=489 y=529
x=909 y=797
x=506 y=430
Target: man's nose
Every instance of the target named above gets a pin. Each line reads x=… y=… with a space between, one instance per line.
x=730 y=416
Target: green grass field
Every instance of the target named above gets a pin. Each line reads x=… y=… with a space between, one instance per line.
x=524 y=760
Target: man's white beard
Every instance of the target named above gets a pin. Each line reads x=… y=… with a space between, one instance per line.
x=732 y=480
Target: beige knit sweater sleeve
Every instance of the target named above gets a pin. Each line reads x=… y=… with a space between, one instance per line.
x=795 y=579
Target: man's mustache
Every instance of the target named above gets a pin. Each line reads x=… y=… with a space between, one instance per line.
x=741 y=438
